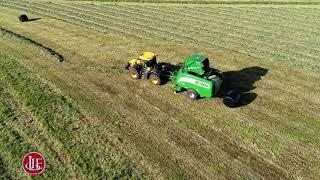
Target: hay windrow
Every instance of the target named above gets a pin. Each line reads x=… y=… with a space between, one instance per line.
x=261 y=32
x=161 y=133
x=27 y=41
x=226 y=2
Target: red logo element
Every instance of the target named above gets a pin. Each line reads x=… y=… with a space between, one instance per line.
x=33 y=164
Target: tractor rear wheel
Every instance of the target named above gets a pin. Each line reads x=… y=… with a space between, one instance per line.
x=192 y=94
x=154 y=79
x=134 y=74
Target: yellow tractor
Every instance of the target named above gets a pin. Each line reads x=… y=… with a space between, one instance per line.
x=146 y=67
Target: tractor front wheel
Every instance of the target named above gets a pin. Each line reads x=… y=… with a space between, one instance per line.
x=134 y=74
x=192 y=94
x=154 y=79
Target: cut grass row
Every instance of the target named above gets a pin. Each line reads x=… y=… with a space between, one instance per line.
x=241 y=28
x=266 y=48
x=287 y=16
x=19 y=136
x=75 y=20
x=294 y=83
x=60 y=121
x=50 y=52
x=299 y=53
x=65 y=17
x=159 y=159
x=128 y=25
x=301 y=32
x=245 y=24
x=253 y=26
x=265 y=20
x=177 y=27
x=269 y=138
x=280 y=15
x=293 y=52
x=103 y=128
x=230 y=2
x=301 y=11
x=93 y=24
x=19 y=131
x=156 y=10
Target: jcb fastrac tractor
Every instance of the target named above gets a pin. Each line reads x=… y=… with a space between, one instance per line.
x=146 y=67
x=194 y=76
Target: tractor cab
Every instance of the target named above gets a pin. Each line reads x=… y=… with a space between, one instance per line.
x=148 y=56
x=148 y=59
x=145 y=67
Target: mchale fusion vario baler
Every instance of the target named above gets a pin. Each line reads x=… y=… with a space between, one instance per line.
x=194 y=76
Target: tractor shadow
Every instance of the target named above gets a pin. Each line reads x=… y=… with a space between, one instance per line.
x=243 y=80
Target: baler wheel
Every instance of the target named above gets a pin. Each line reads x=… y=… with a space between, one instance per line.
x=232 y=98
x=192 y=94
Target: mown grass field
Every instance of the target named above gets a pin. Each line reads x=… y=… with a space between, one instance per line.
x=90 y=120
x=233 y=2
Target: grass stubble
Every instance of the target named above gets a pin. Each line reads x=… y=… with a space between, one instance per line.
x=158 y=133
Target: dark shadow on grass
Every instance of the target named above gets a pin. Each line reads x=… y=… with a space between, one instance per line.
x=33 y=19
x=243 y=80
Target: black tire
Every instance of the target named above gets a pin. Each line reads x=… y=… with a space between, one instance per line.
x=127 y=66
x=228 y=101
x=23 y=18
x=155 y=79
x=232 y=98
x=192 y=94
x=163 y=67
x=134 y=74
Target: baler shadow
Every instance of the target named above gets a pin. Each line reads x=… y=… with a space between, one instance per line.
x=243 y=80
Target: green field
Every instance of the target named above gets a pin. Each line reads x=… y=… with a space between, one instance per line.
x=233 y=2
x=90 y=120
